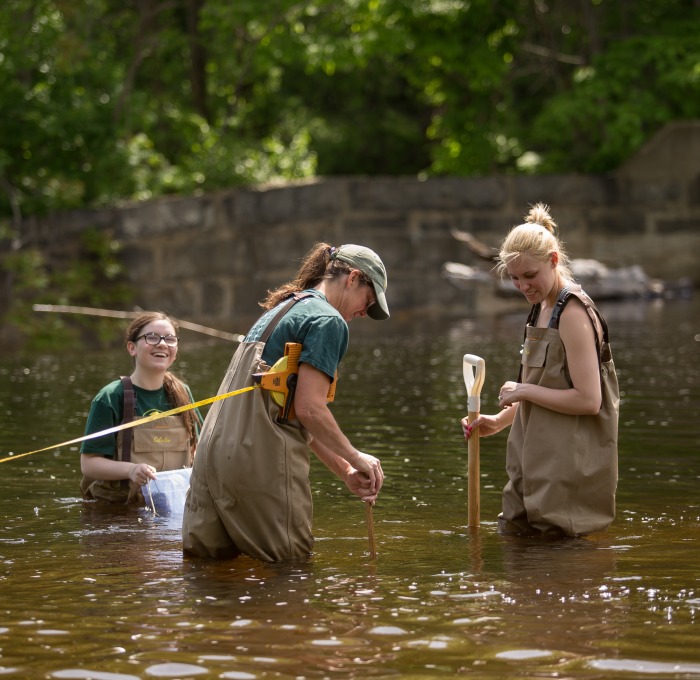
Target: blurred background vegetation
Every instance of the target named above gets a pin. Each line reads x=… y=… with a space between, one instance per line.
x=107 y=101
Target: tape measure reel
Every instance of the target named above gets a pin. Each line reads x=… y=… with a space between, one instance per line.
x=280 y=366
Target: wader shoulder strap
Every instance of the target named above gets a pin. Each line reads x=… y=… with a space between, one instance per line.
x=602 y=344
x=278 y=317
x=592 y=310
x=534 y=314
x=531 y=321
x=129 y=413
x=563 y=298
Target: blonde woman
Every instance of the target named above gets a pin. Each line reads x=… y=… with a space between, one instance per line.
x=561 y=455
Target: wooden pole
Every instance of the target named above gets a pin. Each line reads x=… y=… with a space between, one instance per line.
x=473 y=369
x=370 y=529
x=94 y=311
x=474 y=475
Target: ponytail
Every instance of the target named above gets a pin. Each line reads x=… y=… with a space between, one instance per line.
x=318 y=264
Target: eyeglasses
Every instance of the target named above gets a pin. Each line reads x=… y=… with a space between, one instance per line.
x=155 y=339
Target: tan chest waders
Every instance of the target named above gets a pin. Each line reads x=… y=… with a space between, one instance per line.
x=249 y=490
x=163 y=443
x=562 y=468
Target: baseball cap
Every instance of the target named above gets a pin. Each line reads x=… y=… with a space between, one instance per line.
x=368 y=262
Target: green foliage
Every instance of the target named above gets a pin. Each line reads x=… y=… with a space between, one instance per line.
x=105 y=101
x=611 y=109
x=93 y=279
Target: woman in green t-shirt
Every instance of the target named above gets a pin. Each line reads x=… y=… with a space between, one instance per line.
x=250 y=491
x=116 y=465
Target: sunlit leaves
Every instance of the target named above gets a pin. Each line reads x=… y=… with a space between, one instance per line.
x=105 y=100
x=617 y=103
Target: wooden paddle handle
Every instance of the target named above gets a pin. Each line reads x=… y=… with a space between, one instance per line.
x=473 y=475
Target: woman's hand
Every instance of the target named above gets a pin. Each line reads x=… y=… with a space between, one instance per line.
x=370 y=469
x=329 y=443
x=493 y=424
x=507 y=395
x=487 y=425
x=359 y=484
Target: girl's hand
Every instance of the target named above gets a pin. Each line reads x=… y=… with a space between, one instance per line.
x=141 y=472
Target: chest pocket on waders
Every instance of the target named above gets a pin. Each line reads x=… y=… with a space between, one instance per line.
x=535 y=352
x=164 y=444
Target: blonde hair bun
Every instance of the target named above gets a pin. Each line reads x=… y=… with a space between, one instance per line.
x=536 y=237
x=539 y=214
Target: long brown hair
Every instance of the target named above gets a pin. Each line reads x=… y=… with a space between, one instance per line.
x=316 y=266
x=174 y=387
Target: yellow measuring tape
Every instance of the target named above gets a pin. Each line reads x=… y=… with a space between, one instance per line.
x=134 y=423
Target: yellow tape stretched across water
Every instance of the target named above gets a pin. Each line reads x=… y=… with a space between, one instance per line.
x=134 y=423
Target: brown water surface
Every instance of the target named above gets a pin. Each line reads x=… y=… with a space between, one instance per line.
x=89 y=594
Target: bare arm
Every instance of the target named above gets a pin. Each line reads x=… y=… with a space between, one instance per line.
x=106 y=469
x=329 y=443
x=584 y=398
x=356 y=481
x=490 y=424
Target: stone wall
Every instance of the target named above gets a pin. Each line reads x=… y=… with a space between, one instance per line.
x=210 y=258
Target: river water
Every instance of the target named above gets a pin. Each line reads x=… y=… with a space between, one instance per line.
x=88 y=594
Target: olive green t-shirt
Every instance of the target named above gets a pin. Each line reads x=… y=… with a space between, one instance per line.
x=107 y=410
x=313 y=322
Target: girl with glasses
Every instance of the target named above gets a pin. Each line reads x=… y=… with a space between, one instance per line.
x=116 y=465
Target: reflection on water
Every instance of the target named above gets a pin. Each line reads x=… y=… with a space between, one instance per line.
x=89 y=593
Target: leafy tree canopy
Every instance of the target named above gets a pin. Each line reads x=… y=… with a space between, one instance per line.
x=113 y=100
